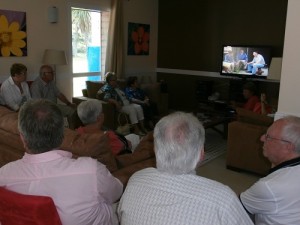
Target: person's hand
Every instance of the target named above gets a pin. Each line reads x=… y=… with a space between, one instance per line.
x=146 y=101
x=263 y=98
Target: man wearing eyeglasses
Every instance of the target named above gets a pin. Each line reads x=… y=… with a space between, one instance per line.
x=275 y=199
x=44 y=87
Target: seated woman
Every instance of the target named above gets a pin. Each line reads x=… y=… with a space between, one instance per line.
x=249 y=90
x=90 y=114
x=113 y=94
x=14 y=90
x=252 y=101
x=138 y=96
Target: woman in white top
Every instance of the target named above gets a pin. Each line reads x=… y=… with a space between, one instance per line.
x=14 y=90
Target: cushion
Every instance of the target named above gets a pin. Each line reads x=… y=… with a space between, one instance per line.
x=248 y=116
x=93 y=87
x=22 y=209
x=9 y=120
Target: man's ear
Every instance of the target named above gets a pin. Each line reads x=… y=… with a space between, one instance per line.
x=24 y=141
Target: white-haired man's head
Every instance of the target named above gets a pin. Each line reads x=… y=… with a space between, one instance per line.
x=178 y=143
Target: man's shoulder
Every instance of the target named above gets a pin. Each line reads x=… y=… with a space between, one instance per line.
x=186 y=182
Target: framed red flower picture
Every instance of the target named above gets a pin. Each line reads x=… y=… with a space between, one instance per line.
x=138 y=39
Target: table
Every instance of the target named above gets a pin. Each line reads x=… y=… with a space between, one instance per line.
x=212 y=117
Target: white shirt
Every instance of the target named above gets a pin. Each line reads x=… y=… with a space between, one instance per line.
x=155 y=198
x=275 y=199
x=122 y=96
x=11 y=94
x=82 y=189
x=259 y=59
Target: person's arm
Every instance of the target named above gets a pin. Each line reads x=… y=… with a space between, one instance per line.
x=109 y=187
x=259 y=198
x=63 y=98
x=263 y=103
x=9 y=95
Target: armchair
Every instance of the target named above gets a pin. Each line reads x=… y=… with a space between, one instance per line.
x=23 y=209
x=244 y=148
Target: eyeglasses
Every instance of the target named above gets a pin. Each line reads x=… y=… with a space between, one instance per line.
x=23 y=73
x=49 y=72
x=269 y=138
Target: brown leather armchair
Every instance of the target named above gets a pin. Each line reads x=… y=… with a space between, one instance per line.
x=244 y=148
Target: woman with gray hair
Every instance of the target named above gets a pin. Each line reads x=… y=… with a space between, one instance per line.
x=90 y=114
x=113 y=94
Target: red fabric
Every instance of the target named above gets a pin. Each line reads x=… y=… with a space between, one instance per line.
x=17 y=209
x=251 y=102
x=115 y=144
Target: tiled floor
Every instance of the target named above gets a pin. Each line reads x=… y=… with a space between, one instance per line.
x=216 y=170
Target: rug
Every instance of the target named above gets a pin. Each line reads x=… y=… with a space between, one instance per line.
x=215 y=146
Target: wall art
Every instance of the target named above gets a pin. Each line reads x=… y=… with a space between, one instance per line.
x=138 y=39
x=13 y=36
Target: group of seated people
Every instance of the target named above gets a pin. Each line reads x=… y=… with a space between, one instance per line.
x=131 y=101
x=15 y=90
x=232 y=64
x=85 y=192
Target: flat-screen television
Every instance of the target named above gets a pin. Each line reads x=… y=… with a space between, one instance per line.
x=245 y=61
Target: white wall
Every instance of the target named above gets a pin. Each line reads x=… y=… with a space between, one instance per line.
x=289 y=95
x=43 y=35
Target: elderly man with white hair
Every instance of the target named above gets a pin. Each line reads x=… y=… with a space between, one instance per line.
x=275 y=199
x=172 y=193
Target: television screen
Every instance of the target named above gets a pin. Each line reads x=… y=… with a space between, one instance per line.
x=246 y=61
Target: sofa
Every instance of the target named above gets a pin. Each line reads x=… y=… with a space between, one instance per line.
x=91 y=145
x=244 y=148
x=154 y=91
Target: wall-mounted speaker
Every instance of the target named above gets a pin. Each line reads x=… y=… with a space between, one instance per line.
x=52 y=14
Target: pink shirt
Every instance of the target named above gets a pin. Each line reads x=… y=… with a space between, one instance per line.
x=82 y=189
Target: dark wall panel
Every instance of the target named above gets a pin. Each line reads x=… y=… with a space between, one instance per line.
x=191 y=32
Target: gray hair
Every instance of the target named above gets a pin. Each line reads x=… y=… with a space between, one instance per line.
x=43 y=67
x=291 y=131
x=89 y=110
x=41 y=123
x=109 y=75
x=178 y=141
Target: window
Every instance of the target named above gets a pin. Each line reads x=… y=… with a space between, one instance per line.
x=89 y=39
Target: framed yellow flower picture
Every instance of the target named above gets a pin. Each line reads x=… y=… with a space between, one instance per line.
x=13 y=36
x=138 y=39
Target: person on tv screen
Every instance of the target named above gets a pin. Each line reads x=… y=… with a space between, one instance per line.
x=257 y=62
x=241 y=60
x=228 y=63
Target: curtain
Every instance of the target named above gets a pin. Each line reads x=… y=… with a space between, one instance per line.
x=115 y=46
